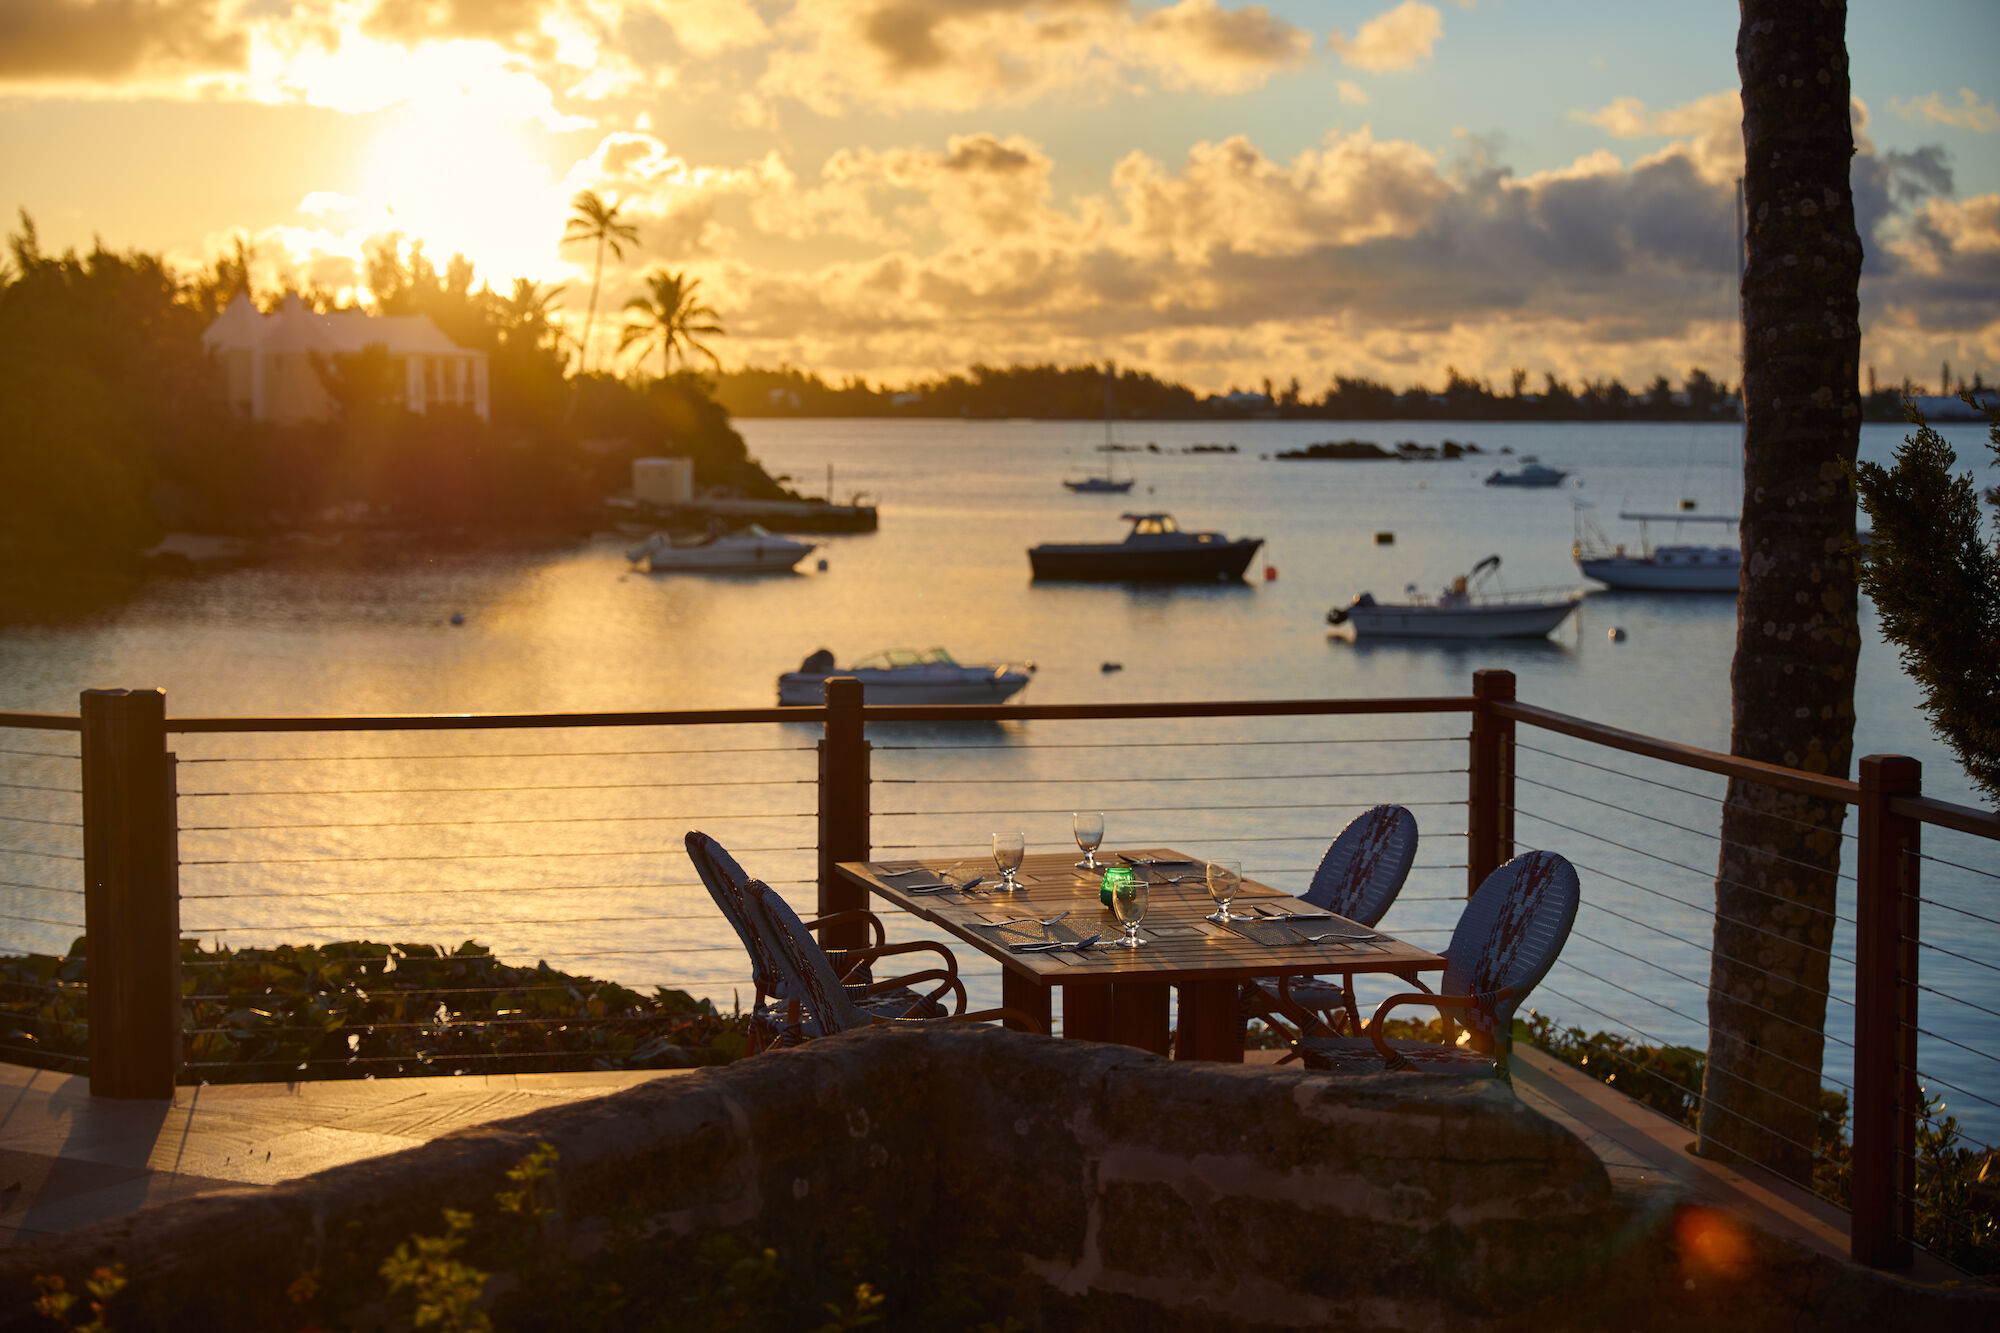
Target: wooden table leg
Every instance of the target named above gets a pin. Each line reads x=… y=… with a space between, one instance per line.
x=1139 y=1015
x=1087 y=1013
x=1028 y=995
x=1211 y=1026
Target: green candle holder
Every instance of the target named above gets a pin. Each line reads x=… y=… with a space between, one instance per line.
x=1115 y=878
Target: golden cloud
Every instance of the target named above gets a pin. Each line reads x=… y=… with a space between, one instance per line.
x=1397 y=39
x=1971 y=112
x=961 y=54
x=99 y=41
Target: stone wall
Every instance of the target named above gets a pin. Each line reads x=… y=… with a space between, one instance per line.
x=1067 y=1184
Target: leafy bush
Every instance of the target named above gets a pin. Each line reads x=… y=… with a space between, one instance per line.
x=358 y=1008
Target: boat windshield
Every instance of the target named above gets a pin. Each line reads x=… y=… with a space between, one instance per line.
x=903 y=657
x=1147 y=525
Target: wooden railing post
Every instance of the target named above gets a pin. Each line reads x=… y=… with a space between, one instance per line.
x=843 y=808
x=1489 y=822
x=1883 y=1217
x=131 y=902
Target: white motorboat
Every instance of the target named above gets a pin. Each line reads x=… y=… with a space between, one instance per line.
x=1533 y=475
x=1464 y=610
x=904 y=676
x=748 y=550
x=1670 y=568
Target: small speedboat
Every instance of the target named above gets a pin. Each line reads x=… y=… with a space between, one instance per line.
x=1534 y=474
x=1155 y=550
x=748 y=550
x=1464 y=610
x=904 y=676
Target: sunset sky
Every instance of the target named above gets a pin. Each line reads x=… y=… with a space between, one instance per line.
x=1217 y=192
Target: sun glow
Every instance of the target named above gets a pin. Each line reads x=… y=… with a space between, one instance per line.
x=466 y=184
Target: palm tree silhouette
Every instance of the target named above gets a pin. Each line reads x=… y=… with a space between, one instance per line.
x=527 y=313
x=597 y=222
x=671 y=316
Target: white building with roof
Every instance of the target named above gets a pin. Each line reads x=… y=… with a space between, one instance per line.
x=268 y=360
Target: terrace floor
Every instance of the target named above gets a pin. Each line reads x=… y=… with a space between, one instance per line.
x=68 y=1159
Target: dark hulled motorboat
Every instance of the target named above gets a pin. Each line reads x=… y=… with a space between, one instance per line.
x=1155 y=550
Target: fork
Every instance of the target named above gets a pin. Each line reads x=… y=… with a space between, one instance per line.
x=1044 y=922
x=969 y=886
x=1054 y=946
x=1334 y=935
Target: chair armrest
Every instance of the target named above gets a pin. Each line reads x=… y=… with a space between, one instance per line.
x=1441 y=1003
x=1028 y=1021
x=948 y=982
x=911 y=946
x=849 y=916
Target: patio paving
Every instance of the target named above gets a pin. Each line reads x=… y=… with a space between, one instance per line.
x=68 y=1159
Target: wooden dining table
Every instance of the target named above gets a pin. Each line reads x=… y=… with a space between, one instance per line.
x=1120 y=994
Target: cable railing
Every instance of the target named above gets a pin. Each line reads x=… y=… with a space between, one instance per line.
x=42 y=980
x=1634 y=989
x=1853 y=1099
x=387 y=895
x=515 y=897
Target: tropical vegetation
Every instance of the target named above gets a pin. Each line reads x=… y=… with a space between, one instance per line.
x=595 y=223
x=1932 y=568
x=361 y=1009
x=1078 y=392
x=115 y=424
x=673 y=317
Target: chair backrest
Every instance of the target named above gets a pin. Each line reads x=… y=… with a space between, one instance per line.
x=804 y=970
x=1510 y=934
x=724 y=879
x=1364 y=869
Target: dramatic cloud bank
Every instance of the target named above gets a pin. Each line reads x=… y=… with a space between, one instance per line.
x=891 y=187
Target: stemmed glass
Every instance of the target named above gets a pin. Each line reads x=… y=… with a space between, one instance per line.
x=1128 y=903
x=1008 y=849
x=1089 y=837
x=1224 y=879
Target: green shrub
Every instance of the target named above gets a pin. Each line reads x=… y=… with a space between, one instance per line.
x=358 y=1008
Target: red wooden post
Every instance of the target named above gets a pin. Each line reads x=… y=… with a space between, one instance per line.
x=843 y=808
x=131 y=902
x=1885 y=1016
x=1489 y=821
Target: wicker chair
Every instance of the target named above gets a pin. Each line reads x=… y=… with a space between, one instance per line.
x=774 y=1010
x=1505 y=943
x=1358 y=878
x=824 y=1006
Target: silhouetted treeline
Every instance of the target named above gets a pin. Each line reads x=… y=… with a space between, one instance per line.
x=1079 y=392
x=114 y=423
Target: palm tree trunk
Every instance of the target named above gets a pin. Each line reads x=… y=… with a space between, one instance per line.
x=590 y=316
x=1797 y=637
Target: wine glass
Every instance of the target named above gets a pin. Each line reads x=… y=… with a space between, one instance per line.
x=1224 y=879
x=1008 y=849
x=1089 y=837
x=1128 y=903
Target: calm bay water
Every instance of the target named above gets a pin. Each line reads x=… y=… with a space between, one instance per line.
x=565 y=845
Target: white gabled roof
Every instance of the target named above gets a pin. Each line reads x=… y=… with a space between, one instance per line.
x=293 y=328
